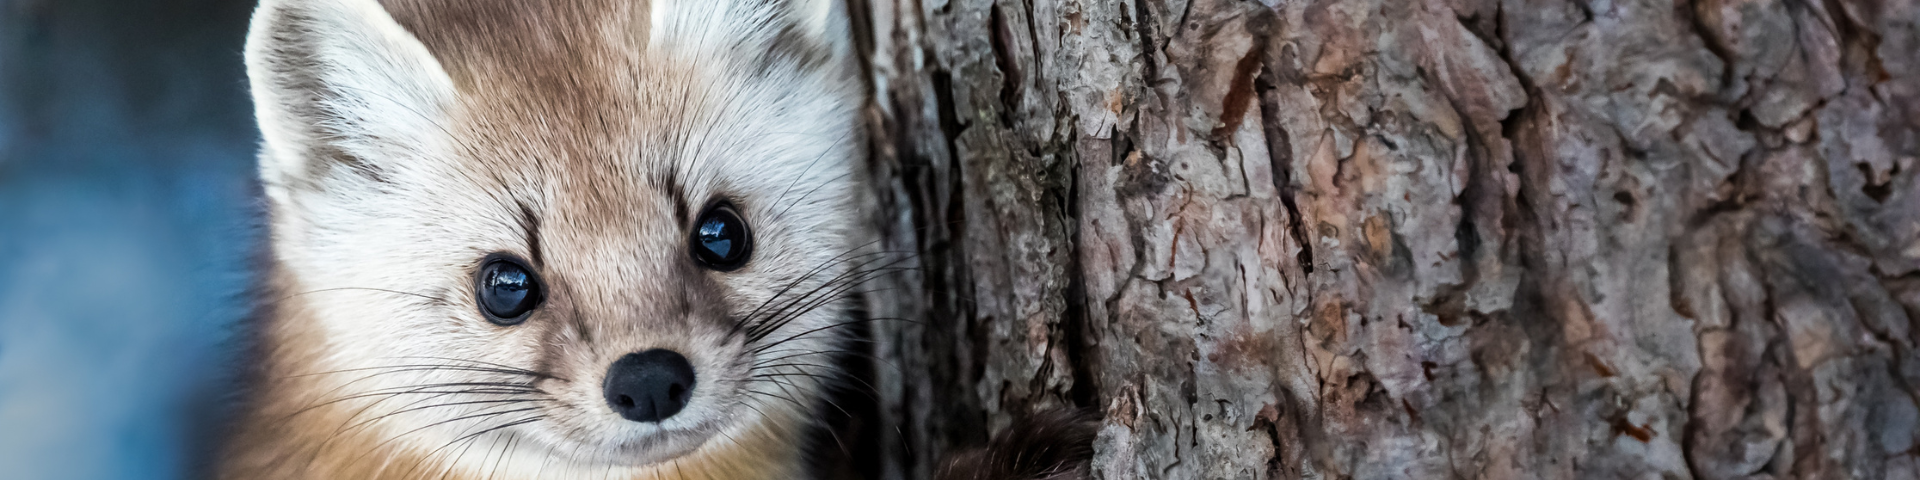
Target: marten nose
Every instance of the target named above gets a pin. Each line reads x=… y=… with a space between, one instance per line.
x=649 y=386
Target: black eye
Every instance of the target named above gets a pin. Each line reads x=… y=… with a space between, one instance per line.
x=507 y=291
x=720 y=238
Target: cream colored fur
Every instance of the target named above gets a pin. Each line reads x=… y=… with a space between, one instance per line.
x=405 y=142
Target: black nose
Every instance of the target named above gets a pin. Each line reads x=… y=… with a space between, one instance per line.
x=649 y=386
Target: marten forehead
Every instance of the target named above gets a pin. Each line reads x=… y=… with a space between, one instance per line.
x=607 y=114
x=551 y=74
x=551 y=46
x=564 y=98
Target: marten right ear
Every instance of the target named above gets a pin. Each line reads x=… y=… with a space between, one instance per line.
x=342 y=92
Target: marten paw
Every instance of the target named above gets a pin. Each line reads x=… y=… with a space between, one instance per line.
x=1052 y=445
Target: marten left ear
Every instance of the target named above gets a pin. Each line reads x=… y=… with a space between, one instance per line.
x=810 y=35
x=803 y=35
x=341 y=91
x=823 y=21
x=817 y=34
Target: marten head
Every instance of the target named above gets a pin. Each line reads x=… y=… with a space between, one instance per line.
x=610 y=232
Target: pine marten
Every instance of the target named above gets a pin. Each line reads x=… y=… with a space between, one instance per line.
x=550 y=239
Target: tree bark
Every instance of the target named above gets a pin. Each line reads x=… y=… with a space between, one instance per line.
x=1402 y=238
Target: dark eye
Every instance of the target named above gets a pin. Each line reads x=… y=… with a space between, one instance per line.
x=720 y=238
x=507 y=291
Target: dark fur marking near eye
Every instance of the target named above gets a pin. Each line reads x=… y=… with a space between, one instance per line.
x=531 y=223
x=671 y=187
x=544 y=362
x=553 y=333
x=580 y=329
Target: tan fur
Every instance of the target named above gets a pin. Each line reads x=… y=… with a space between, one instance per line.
x=407 y=139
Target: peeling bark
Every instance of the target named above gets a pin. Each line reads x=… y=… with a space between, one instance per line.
x=1403 y=239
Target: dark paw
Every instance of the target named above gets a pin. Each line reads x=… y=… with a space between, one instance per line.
x=1052 y=445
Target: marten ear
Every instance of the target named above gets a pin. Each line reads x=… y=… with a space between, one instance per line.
x=813 y=33
x=341 y=91
x=824 y=22
x=807 y=34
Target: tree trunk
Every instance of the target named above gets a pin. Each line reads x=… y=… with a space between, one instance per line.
x=1403 y=238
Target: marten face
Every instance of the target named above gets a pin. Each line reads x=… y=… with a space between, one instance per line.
x=600 y=234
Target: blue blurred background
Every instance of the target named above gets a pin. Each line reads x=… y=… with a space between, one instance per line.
x=127 y=220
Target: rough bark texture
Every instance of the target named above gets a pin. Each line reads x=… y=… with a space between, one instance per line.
x=1404 y=238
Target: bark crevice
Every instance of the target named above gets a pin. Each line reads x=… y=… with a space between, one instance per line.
x=1371 y=239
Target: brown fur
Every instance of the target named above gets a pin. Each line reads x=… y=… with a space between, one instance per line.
x=573 y=61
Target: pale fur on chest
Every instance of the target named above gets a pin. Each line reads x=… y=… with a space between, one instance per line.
x=409 y=141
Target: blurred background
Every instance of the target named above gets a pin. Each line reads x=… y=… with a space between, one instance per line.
x=127 y=220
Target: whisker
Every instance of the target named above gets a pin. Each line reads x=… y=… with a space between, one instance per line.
x=783 y=387
x=455 y=419
x=790 y=400
x=515 y=423
x=833 y=293
x=831 y=262
x=428 y=389
x=391 y=369
x=768 y=346
x=503 y=367
x=870 y=356
x=370 y=289
x=803 y=171
x=825 y=379
x=841 y=258
x=411 y=390
x=855 y=276
x=387 y=370
x=444 y=405
x=816 y=188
